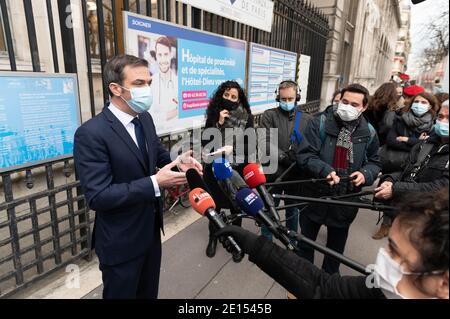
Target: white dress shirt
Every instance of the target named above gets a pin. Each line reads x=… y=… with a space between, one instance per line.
x=126 y=120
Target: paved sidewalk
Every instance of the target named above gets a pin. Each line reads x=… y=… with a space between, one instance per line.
x=187 y=273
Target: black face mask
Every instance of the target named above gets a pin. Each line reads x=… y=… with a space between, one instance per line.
x=228 y=105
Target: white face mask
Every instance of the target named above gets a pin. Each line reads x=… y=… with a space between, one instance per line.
x=388 y=274
x=347 y=113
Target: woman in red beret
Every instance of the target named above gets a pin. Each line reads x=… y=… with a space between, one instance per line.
x=413 y=90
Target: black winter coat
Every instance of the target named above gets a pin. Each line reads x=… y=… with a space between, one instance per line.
x=433 y=174
x=376 y=118
x=221 y=200
x=305 y=280
x=285 y=122
x=315 y=159
x=401 y=129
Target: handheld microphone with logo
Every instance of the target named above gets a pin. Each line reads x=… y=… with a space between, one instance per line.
x=229 y=181
x=252 y=205
x=203 y=204
x=255 y=178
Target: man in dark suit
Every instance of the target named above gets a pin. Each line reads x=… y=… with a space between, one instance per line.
x=116 y=155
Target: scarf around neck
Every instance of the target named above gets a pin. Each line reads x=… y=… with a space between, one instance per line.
x=343 y=153
x=237 y=119
x=418 y=124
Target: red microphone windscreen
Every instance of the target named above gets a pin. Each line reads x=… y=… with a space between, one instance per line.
x=201 y=201
x=254 y=175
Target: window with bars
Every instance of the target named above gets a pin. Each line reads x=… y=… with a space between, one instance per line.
x=92 y=20
x=144 y=7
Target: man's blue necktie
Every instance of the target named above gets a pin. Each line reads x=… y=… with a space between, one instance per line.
x=140 y=136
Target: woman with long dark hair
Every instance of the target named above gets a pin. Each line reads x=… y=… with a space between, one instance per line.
x=383 y=101
x=228 y=109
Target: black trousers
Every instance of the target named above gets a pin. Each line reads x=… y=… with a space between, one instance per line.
x=135 y=279
x=336 y=239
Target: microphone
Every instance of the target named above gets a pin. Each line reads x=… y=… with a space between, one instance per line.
x=195 y=180
x=255 y=178
x=203 y=204
x=252 y=205
x=229 y=181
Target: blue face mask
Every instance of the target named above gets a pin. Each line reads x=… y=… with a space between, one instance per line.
x=141 y=99
x=287 y=106
x=419 y=109
x=441 y=129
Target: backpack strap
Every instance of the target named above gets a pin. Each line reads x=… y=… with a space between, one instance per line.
x=296 y=136
x=323 y=134
x=372 y=131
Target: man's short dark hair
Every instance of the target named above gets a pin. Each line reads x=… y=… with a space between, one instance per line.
x=357 y=88
x=113 y=71
x=163 y=41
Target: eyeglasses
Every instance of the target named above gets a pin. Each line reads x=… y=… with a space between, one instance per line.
x=426 y=273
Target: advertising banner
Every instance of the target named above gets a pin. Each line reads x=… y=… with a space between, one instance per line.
x=186 y=66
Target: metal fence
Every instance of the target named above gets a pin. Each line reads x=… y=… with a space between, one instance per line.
x=44 y=231
x=47 y=229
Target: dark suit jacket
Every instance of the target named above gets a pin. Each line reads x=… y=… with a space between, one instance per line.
x=118 y=187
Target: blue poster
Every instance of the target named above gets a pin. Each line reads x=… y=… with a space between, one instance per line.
x=38 y=118
x=268 y=68
x=186 y=65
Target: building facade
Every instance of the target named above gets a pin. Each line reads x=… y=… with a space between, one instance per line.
x=403 y=47
x=362 y=43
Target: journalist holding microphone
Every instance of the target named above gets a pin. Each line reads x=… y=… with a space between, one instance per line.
x=337 y=144
x=414 y=264
x=290 y=122
x=228 y=109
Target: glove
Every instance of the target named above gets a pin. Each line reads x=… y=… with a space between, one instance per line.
x=245 y=239
x=292 y=156
x=287 y=158
x=237 y=257
x=226 y=244
x=284 y=160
